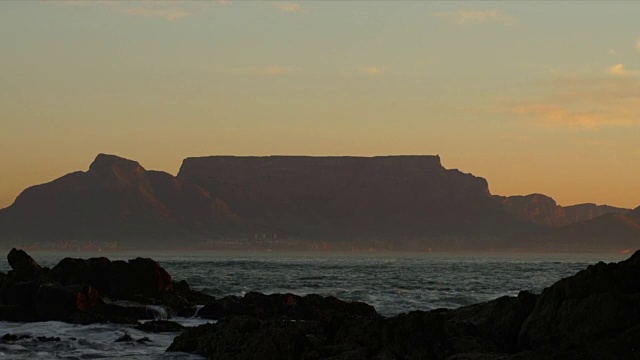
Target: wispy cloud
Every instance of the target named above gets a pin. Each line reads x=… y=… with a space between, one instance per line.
x=470 y=16
x=582 y=103
x=373 y=70
x=621 y=70
x=273 y=70
x=290 y=7
x=638 y=44
x=166 y=10
x=167 y=14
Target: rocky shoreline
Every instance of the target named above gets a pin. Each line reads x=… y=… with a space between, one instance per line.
x=594 y=314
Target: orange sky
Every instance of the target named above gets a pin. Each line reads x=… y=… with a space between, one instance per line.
x=535 y=97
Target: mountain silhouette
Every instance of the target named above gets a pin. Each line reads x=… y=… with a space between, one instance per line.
x=395 y=200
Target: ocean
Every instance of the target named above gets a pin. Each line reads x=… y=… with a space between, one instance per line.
x=392 y=282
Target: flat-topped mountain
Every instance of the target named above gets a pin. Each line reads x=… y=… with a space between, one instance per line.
x=392 y=202
x=354 y=197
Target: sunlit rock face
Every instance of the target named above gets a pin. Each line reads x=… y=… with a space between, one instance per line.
x=543 y=210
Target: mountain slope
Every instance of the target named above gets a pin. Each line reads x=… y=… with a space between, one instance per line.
x=352 y=197
x=543 y=210
x=397 y=202
x=115 y=200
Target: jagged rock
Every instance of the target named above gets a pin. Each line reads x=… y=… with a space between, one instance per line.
x=24 y=267
x=597 y=306
x=285 y=306
x=124 y=338
x=59 y=302
x=13 y=337
x=157 y=326
x=47 y=338
x=591 y=315
x=73 y=290
x=417 y=335
x=143 y=340
x=137 y=279
x=496 y=324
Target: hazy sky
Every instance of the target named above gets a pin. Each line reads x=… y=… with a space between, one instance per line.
x=534 y=96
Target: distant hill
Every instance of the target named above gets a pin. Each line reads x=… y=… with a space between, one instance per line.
x=543 y=210
x=388 y=202
x=609 y=232
x=115 y=200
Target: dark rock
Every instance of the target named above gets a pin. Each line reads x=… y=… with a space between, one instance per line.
x=47 y=339
x=418 y=335
x=285 y=306
x=595 y=311
x=73 y=291
x=495 y=323
x=157 y=326
x=192 y=296
x=138 y=279
x=13 y=337
x=24 y=267
x=143 y=340
x=9 y=337
x=124 y=338
x=57 y=302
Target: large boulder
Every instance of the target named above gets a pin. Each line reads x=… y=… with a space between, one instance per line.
x=285 y=306
x=493 y=325
x=24 y=267
x=73 y=291
x=139 y=279
x=417 y=335
x=587 y=311
x=57 y=302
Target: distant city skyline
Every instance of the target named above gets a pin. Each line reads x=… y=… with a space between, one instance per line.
x=536 y=97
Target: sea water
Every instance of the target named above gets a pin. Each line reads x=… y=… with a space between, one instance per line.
x=392 y=282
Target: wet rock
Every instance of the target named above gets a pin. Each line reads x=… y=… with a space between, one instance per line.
x=47 y=339
x=195 y=297
x=24 y=267
x=13 y=337
x=139 y=279
x=490 y=326
x=125 y=338
x=58 y=302
x=418 y=335
x=143 y=340
x=157 y=326
x=595 y=311
x=285 y=306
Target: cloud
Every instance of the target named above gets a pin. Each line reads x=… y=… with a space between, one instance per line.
x=469 y=17
x=290 y=7
x=582 y=103
x=373 y=70
x=166 y=10
x=167 y=14
x=274 y=70
x=621 y=70
x=638 y=44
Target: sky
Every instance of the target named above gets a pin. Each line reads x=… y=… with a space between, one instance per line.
x=536 y=97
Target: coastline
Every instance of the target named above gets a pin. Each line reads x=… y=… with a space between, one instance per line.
x=469 y=322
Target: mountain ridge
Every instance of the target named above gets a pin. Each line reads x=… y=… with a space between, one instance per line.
x=402 y=200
